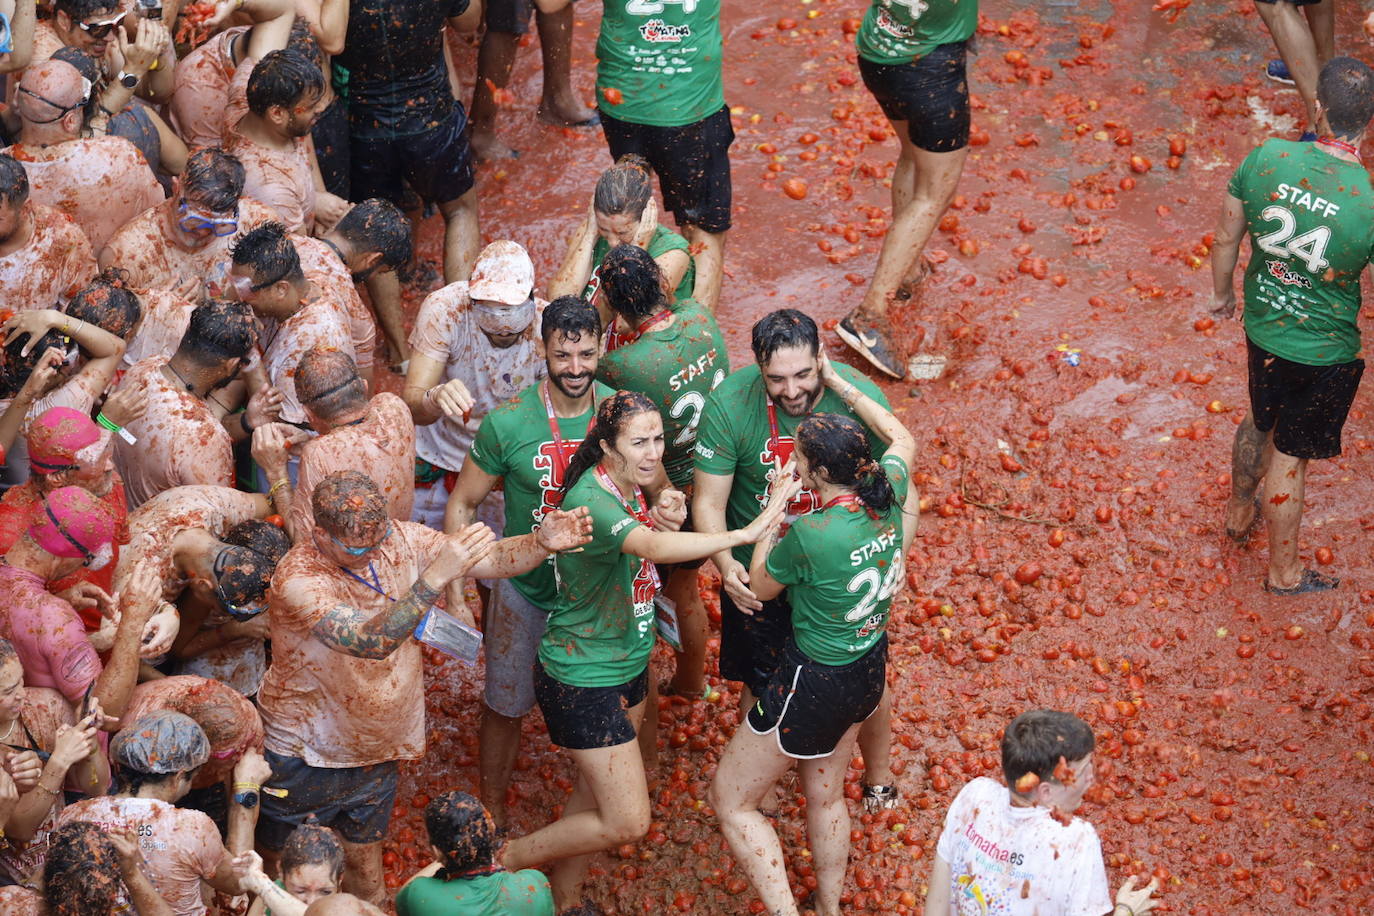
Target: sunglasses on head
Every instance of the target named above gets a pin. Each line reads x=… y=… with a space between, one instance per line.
x=236 y=611
x=196 y=221
x=102 y=27
x=362 y=551
x=61 y=110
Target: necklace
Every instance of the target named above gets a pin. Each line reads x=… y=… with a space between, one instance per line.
x=6 y=736
x=179 y=377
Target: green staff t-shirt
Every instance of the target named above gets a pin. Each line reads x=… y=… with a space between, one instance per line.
x=515 y=443
x=661 y=242
x=733 y=439
x=521 y=893
x=676 y=367
x=1311 y=223
x=897 y=32
x=841 y=567
x=601 y=630
x=660 y=61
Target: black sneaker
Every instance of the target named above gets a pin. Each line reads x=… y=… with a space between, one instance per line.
x=1277 y=71
x=872 y=344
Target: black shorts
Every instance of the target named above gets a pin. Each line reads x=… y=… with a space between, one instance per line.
x=930 y=94
x=330 y=134
x=509 y=16
x=752 y=645
x=355 y=801
x=809 y=706
x=582 y=718
x=437 y=164
x=692 y=162
x=1304 y=405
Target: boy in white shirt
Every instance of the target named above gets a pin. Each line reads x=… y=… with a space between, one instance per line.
x=1021 y=850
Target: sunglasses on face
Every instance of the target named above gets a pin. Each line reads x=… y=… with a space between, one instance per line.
x=196 y=221
x=362 y=551
x=103 y=27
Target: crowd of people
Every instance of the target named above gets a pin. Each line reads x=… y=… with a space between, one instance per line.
x=224 y=545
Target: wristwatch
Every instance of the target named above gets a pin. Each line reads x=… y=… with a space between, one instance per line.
x=128 y=80
x=248 y=799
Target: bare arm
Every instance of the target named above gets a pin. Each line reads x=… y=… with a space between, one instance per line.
x=139 y=598
x=330 y=19
x=12 y=420
x=424 y=376
x=473 y=486
x=104 y=349
x=711 y=493
x=681 y=546
x=576 y=269
x=513 y=556
x=937 y=897
x=1225 y=254
x=142 y=894
x=22 y=21
x=348 y=630
x=673 y=265
x=878 y=418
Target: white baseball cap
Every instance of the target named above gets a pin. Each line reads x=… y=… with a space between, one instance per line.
x=504 y=273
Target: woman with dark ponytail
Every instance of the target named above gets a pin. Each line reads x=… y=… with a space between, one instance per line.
x=591 y=676
x=623 y=212
x=841 y=565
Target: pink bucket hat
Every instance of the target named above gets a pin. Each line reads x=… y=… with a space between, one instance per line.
x=55 y=436
x=72 y=523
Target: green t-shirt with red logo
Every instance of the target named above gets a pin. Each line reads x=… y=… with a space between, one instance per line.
x=515 y=443
x=659 y=61
x=601 y=630
x=661 y=242
x=734 y=438
x=676 y=367
x=841 y=567
x=1311 y=222
x=897 y=32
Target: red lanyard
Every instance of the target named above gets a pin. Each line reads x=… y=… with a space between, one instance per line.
x=615 y=341
x=561 y=458
x=640 y=513
x=772 y=426
x=845 y=499
x=1342 y=146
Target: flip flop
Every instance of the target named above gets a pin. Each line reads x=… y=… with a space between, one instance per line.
x=1241 y=537
x=1311 y=581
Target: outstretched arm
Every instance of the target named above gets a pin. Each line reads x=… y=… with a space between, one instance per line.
x=1225 y=254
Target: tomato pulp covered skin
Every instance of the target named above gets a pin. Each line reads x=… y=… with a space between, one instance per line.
x=1144 y=619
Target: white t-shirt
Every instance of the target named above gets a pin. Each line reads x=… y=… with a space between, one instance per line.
x=1013 y=861
x=446 y=332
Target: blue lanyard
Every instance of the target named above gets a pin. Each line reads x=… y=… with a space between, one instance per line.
x=375 y=584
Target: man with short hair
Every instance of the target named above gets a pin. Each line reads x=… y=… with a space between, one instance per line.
x=344 y=698
x=659 y=75
x=1309 y=211
x=294 y=313
x=219 y=588
x=200 y=96
x=354 y=432
x=44 y=257
x=472 y=349
x=71 y=530
x=1018 y=848
x=177 y=244
x=372 y=239
x=744 y=438
x=97 y=28
x=272 y=108
x=526 y=444
x=101 y=182
x=156 y=760
x=187 y=432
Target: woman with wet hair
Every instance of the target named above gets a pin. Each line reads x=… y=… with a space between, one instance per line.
x=591 y=674
x=465 y=877
x=623 y=212
x=841 y=565
x=89 y=872
x=312 y=865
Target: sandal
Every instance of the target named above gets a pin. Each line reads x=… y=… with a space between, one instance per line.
x=876 y=798
x=1241 y=537
x=1311 y=581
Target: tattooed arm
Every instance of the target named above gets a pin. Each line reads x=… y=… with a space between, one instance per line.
x=354 y=632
